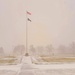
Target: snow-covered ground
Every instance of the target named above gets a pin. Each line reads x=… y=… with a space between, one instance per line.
x=27 y=68
x=40 y=72
x=8 y=72
x=56 y=72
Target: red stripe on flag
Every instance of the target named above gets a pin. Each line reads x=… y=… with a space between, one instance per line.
x=28 y=13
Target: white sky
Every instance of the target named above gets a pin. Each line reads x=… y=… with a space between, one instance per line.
x=52 y=22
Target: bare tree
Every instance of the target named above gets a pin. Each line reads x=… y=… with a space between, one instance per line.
x=19 y=50
x=62 y=50
x=32 y=50
x=50 y=50
x=40 y=50
x=72 y=49
x=2 y=52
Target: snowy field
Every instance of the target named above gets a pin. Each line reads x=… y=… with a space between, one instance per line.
x=7 y=72
x=57 y=72
x=38 y=69
x=27 y=69
x=40 y=72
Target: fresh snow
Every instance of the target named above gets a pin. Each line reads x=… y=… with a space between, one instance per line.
x=26 y=67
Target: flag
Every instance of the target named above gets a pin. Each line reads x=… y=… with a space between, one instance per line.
x=29 y=20
x=28 y=13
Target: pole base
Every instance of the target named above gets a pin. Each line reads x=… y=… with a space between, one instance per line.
x=26 y=54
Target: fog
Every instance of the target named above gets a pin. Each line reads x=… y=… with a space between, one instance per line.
x=52 y=22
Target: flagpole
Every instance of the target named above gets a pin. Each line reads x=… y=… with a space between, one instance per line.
x=26 y=35
x=27 y=19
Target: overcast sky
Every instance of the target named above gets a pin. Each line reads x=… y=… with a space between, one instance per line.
x=53 y=22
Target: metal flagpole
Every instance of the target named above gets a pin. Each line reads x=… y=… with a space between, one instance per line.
x=26 y=35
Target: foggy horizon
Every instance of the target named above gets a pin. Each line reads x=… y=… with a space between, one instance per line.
x=52 y=23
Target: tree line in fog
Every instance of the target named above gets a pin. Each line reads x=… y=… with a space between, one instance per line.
x=48 y=50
